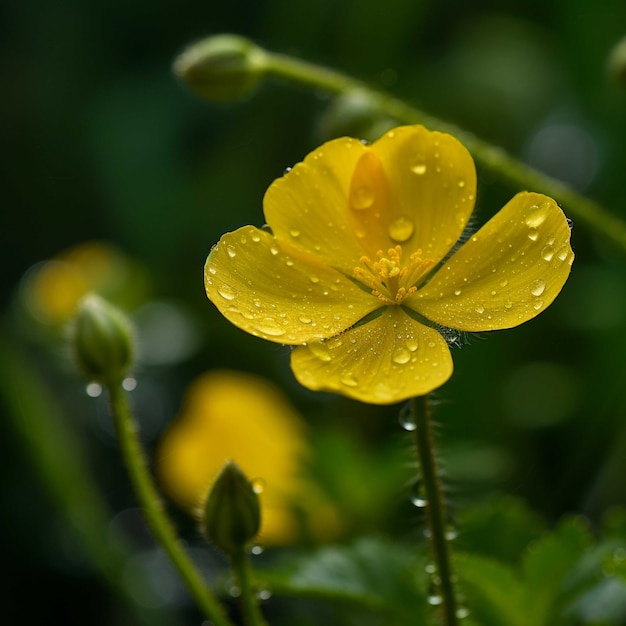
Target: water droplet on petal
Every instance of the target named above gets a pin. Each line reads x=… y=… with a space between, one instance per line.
x=304 y=319
x=480 y=309
x=314 y=279
x=401 y=356
x=269 y=326
x=504 y=283
x=536 y=218
x=563 y=253
x=362 y=198
x=255 y=237
x=533 y=234
x=412 y=344
x=538 y=287
x=508 y=304
x=401 y=229
x=94 y=390
x=349 y=380
x=212 y=270
x=461 y=184
x=538 y=305
x=320 y=350
x=232 y=253
x=419 y=169
x=457 y=292
x=294 y=232
x=258 y=485
x=274 y=250
x=547 y=253
x=228 y=293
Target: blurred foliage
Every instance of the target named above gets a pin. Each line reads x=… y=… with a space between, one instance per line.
x=103 y=144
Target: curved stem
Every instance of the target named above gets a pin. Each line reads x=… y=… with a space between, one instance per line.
x=249 y=605
x=490 y=157
x=153 y=509
x=435 y=507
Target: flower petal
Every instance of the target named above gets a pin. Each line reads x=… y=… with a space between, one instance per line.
x=432 y=181
x=411 y=187
x=506 y=274
x=308 y=208
x=277 y=293
x=386 y=360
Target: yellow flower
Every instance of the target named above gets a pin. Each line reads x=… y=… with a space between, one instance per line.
x=357 y=272
x=240 y=417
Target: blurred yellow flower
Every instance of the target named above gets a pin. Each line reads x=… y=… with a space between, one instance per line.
x=240 y=417
x=52 y=289
x=356 y=269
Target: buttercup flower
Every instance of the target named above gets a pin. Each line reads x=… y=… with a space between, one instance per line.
x=357 y=272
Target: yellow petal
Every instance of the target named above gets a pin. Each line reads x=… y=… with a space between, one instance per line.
x=309 y=208
x=506 y=274
x=432 y=182
x=277 y=293
x=386 y=360
x=411 y=187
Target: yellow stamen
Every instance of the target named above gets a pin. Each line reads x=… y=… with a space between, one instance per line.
x=389 y=280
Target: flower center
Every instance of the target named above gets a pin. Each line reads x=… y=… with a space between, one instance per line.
x=388 y=278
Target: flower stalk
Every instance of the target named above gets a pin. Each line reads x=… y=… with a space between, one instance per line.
x=435 y=508
x=153 y=508
x=492 y=158
x=249 y=603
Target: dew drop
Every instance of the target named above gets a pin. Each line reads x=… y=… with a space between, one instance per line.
x=538 y=287
x=401 y=356
x=305 y=320
x=419 y=169
x=94 y=390
x=234 y=591
x=411 y=344
x=435 y=600
x=270 y=326
x=430 y=568
x=547 y=253
x=349 y=380
x=258 y=485
x=274 y=250
x=256 y=550
x=232 y=253
x=243 y=239
x=479 y=308
x=314 y=279
x=536 y=218
x=362 y=198
x=401 y=229
x=129 y=384
x=533 y=234
x=264 y=594
x=457 y=292
x=504 y=283
x=451 y=533
x=563 y=253
x=461 y=184
x=538 y=305
x=228 y=293
x=508 y=304
x=320 y=350
x=212 y=270
x=418 y=499
x=462 y=612
x=406 y=418
x=294 y=232
x=255 y=237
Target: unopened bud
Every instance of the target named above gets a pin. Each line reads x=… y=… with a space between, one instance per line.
x=232 y=514
x=221 y=68
x=102 y=341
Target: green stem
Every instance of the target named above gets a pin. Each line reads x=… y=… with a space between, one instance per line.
x=435 y=507
x=153 y=508
x=249 y=604
x=490 y=157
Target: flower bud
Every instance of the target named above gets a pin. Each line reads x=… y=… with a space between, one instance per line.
x=232 y=515
x=221 y=68
x=102 y=341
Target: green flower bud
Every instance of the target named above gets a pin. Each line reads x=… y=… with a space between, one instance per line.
x=102 y=341
x=221 y=68
x=232 y=514
x=617 y=61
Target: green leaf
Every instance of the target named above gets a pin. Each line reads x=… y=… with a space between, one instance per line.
x=374 y=574
x=495 y=594
x=546 y=566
